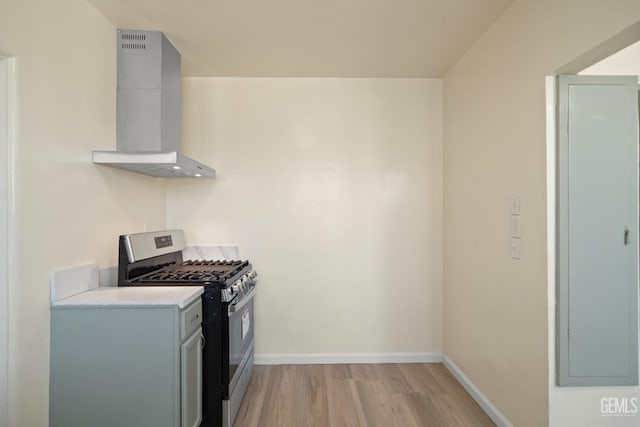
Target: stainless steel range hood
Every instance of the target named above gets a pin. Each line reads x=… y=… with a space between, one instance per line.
x=149 y=110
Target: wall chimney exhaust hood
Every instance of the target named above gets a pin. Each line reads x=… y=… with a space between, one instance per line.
x=149 y=110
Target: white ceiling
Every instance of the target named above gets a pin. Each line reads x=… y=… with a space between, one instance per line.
x=311 y=38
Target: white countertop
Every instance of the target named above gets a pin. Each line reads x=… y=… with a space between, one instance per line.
x=180 y=296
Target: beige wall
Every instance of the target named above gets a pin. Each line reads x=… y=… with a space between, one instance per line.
x=496 y=307
x=332 y=188
x=67 y=211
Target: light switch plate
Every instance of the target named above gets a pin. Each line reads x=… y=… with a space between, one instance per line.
x=515 y=226
x=515 y=204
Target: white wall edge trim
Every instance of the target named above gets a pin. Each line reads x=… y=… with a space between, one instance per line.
x=486 y=405
x=4 y=286
x=551 y=125
x=7 y=140
x=343 y=358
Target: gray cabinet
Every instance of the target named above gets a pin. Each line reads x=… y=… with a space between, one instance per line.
x=597 y=317
x=134 y=366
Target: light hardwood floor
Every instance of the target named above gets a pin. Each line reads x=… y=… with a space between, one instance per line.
x=385 y=395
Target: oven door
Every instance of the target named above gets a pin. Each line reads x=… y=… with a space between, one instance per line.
x=240 y=341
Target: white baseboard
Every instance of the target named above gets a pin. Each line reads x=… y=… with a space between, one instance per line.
x=343 y=358
x=481 y=399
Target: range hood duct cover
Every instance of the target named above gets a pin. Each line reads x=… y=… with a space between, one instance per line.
x=149 y=109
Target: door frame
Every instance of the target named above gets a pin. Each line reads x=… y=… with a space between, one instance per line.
x=7 y=138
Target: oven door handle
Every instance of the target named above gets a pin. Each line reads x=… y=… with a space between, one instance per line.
x=236 y=307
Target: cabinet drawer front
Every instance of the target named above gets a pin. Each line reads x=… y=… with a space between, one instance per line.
x=190 y=319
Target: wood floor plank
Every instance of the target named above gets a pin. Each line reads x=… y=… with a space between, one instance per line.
x=279 y=407
x=376 y=405
x=424 y=411
x=314 y=401
x=385 y=395
x=393 y=377
x=343 y=402
x=363 y=372
x=402 y=411
x=337 y=371
x=418 y=378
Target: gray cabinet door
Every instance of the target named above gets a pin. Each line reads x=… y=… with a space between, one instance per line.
x=597 y=317
x=114 y=366
x=191 y=380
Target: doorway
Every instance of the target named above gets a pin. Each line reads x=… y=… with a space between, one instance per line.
x=580 y=405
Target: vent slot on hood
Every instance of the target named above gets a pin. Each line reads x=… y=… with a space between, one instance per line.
x=132 y=36
x=133 y=46
x=135 y=37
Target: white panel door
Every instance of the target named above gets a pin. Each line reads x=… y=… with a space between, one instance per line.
x=597 y=230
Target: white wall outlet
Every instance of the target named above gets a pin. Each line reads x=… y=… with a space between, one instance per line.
x=516 y=248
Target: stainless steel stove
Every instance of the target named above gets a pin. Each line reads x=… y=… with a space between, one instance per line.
x=155 y=259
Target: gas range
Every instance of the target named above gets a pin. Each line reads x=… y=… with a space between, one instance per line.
x=155 y=259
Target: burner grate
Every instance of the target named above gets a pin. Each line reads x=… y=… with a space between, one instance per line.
x=213 y=262
x=182 y=276
x=190 y=272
